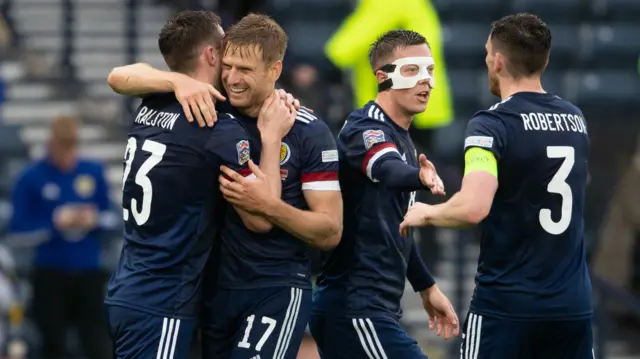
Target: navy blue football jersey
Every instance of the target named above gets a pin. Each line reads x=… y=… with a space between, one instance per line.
x=365 y=274
x=532 y=263
x=308 y=162
x=171 y=206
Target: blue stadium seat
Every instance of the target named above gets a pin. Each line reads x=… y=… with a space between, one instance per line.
x=619 y=10
x=608 y=93
x=464 y=45
x=481 y=11
x=565 y=47
x=310 y=11
x=556 y=11
x=614 y=46
x=13 y=155
x=553 y=82
x=467 y=90
x=307 y=40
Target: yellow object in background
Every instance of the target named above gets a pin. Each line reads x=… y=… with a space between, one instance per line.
x=16 y=314
x=349 y=46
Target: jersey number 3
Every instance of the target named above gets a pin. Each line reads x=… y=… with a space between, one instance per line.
x=156 y=151
x=559 y=185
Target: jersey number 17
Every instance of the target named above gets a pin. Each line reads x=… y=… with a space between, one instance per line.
x=559 y=185
x=156 y=152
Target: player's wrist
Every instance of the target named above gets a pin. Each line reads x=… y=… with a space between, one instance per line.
x=428 y=291
x=173 y=79
x=268 y=139
x=271 y=206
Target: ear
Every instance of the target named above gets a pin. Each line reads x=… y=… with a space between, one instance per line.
x=499 y=63
x=211 y=55
x=381 y=76
x=276 y=69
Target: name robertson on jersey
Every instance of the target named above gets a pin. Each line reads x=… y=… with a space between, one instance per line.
x=536 y=121
x=149 y=117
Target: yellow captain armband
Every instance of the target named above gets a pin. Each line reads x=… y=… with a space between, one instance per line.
x=479 y=159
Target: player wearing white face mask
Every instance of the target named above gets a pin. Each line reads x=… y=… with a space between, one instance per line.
x=357 y=302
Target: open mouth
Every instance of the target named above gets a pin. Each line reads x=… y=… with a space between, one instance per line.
x=424 y=95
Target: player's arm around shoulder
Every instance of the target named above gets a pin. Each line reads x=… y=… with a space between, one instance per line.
x=230 y=145
x=141 y=80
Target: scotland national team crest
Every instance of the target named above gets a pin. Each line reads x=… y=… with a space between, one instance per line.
x=85 y=186
x=244 y=153
x=371 y=137
x=285 y=153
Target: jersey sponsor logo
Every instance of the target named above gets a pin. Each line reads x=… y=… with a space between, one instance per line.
x=285 y=153
x=244 y=153
x=85 y=186
x=371 y=137
x=330 y=156
x=478 y=141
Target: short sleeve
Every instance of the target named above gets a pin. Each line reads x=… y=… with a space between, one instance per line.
x=367 y=144
x=229 y=145
x=320 y=168
x=487 y=132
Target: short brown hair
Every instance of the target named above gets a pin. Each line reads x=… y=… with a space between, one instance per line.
x=64 y=130
x=525 y=40
x=182 y=37
x=387 y=43
x=258 y=30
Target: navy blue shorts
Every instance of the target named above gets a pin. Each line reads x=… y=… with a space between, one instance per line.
x=492 y=338
x=362 y=338
x=265 y=323
x=138 y=335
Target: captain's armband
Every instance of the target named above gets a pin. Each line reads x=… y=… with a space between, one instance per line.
x=478 y=159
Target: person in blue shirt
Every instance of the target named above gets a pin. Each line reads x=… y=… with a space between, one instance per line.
x=61 y=204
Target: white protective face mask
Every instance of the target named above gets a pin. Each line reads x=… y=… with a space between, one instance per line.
x=399 y=81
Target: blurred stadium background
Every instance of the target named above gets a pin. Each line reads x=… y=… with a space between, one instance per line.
x=56 y=54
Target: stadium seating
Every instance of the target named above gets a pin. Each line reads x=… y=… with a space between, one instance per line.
x=464 y=45
x=481 y=11
x=613 y=46
x=13 y=155
x=552 y=11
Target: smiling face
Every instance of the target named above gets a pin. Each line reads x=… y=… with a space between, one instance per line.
x=246 y=77
x=253 y=50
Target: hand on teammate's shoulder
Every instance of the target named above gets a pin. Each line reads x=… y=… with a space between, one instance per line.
x=197 y=99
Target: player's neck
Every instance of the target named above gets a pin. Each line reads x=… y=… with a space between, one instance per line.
x=393 y=111
x=254 y=110
x=202 y=75
x=512 y=87
x=251 y=111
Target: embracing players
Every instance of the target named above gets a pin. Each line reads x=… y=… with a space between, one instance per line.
x=259 y=301
x=357 y=302
x=171 y=204
x=525 y=178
